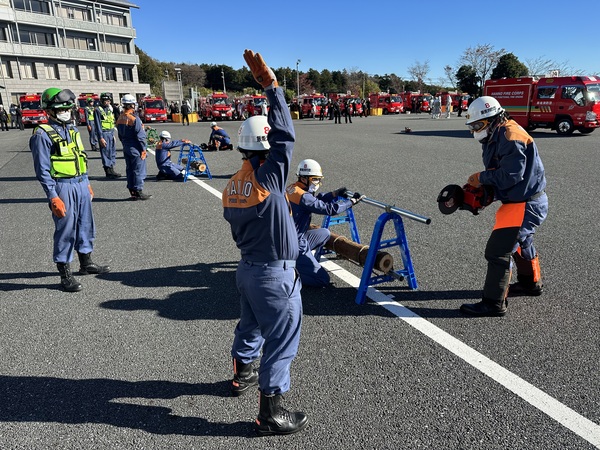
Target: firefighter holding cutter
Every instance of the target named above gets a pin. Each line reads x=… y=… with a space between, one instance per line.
x=514 y=170
x=60 y=165
x=305 y=201
x=256 y=207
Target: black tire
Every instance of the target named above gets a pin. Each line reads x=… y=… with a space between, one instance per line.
x=385 y=112
x=564 y=126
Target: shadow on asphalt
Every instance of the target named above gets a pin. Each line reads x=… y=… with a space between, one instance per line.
x=105 y=401
x=439 y=133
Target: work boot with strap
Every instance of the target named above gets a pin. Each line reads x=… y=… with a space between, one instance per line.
x=87 y=266
x=244 y=377
x=275 y=419
x=68 y=282
x=529 y=277
x=139 y=195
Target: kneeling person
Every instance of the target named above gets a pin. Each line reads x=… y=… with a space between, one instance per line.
x=167 y=170
x=304 y=201
x=219 y=139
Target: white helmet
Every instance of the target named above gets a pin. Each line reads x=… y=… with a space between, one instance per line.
x=165 y=134
x=483 y=108
x=213 y=124
x=128 y=99
x=252 y=135
x=309 y=168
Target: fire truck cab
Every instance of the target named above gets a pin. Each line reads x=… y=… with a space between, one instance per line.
x=31 y=108
x=389 y=103
x=217 y=107
x=306 y=102
x=253 y=104
x=153 y=109
x=564 y=104
x=82 y=100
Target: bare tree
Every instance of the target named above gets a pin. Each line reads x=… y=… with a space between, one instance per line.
x=482 y=59
x=541 y=66
x=451 y=75
x=419 y=72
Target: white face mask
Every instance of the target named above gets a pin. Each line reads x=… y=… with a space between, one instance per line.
x=481 y=135
x=64 y=116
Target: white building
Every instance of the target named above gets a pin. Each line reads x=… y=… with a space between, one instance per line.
x=83 y=45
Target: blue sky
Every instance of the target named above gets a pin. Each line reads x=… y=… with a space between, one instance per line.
x=377 y=37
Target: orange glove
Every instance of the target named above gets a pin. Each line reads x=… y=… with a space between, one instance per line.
x=58 y=207
x=91 y=191
x=474 y=180
x=260 y=71
x=143 y=155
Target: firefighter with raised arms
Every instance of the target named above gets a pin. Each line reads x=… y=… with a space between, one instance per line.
x=60 y=165
x=256 y=207
x=514 y=169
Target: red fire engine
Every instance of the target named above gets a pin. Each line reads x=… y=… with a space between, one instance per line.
x=564 y=104
x=153 y=109
x=253 y=104
x=306 y=102
x=31 y=107
x=389 y=103
x=217 y=106
x=82 y=104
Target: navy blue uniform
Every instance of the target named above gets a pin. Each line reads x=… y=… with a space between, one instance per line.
x=303 y=205
x=104 y=126
x=514 y=168
x=133 y=137
x=163 y=158
x=76 y=231
x=257 y=209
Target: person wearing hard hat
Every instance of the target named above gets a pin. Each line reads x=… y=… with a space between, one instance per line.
x=168 y=170
x=104 y=125
x=60 y=165
x=256 y=207
x=89 y=121
x=514 y=169
x=219 y=139
x=305 y=201
x=133 y=137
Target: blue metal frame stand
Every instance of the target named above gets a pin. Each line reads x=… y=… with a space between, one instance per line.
x=193 y=153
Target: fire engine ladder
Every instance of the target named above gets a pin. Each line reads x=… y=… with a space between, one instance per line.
x=191 y=156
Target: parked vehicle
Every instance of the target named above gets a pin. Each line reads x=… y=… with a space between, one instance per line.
x=564 y=104
x=31 y=108
x=306 y=102
x=82 y=100
x=153 y=109
x=217 y=106
x=389 y=103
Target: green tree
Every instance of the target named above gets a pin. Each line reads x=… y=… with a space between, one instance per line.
x=150 y=71
x=467 y=80
x=509 y=66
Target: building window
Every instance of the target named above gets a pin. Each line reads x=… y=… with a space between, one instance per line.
x=36 y=6
x=73 y=72
x=127 y=74
x=115 y=47
x=110 y=74
x=79 y=42
x=113 y=19
x=51 y=71
x=36 y=37
x=92 y=72
x=70 y=12
x=3 y=33
x=27 y=70
x=5 y=71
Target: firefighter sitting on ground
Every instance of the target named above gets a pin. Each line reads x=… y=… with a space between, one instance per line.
x=167 y=170
x=218 y=140
x=304 y=201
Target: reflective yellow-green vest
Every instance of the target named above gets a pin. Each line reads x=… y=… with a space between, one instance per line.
x=108 y=119
x=67 y=159
x=90 y=114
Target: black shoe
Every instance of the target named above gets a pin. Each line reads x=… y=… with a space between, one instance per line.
x=275 y=419
x=161 y=176
x=244 y=377
x=88 y=267
x=68 y=282
x=525 y=289
x=139 y=195
x=485 y=308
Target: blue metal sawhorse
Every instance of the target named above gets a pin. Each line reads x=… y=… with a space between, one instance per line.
x=376 y=244
x=193 y=153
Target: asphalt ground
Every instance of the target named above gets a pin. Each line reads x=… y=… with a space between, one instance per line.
x=140 y=358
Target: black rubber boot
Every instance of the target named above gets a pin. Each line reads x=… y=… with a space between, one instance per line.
x=244 y=377
x=486 y=307
x=275 y=419
x=68 y=282
x=139 y=195
x=87 y=266
x=115 y=174
x=525 y=286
